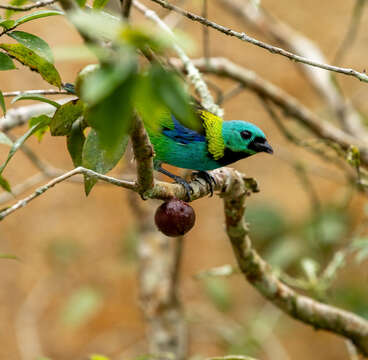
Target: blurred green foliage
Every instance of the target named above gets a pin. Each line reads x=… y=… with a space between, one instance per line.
x=81 y=306
x=218 y=291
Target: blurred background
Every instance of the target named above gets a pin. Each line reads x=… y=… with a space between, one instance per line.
x=74 y=291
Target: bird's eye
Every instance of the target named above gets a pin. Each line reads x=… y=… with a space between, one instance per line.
x=246 y=135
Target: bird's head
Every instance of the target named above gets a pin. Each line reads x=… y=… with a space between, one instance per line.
x=244 y=137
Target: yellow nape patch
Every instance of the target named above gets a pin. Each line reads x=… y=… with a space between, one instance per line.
x=213 y=127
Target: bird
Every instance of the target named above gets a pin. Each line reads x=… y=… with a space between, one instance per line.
x=215 y=144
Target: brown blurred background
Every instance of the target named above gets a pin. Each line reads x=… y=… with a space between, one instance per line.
x=74 y=292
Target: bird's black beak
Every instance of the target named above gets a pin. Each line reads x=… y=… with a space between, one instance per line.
x=260 y=145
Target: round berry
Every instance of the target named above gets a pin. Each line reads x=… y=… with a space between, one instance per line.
x=174 y=217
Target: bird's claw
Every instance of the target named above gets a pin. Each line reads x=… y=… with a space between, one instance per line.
x=188 y=189
x=209 y=179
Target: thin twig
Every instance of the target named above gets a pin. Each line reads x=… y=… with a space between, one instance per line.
x=37 y=4
x=273 y=49
x=36 y=92
x=79 y=170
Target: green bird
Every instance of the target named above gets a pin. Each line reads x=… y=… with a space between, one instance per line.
x=218 y=143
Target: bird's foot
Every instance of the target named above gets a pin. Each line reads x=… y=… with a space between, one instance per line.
x=185 y=184
x=209 y=179
x=177 y=179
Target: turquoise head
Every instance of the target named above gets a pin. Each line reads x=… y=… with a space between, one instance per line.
x=242 y=139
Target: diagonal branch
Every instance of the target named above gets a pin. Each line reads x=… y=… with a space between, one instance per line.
x=36 y=92
x=273 y=49
x=260 y=275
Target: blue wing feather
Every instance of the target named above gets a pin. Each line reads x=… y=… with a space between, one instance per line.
x=182 y=134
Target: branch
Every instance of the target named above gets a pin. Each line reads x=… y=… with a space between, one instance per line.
x=193 y=73
x=143 y=153
x=260 y=275
x=273 y=49
x=125 y=8
x=161 y=190
x=298 y=43
x=36 y=92
x=290 y=105
x=37 y=4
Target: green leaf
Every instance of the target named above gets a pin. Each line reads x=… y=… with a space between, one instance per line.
x=112 y=117
x=33 y=42
x=6 y=63
x=218 y=291
x=95 y=83
x=43 y=129
x=170 y=91
x=81 y=306
x=43 y=120
x=35 y=97
x=99 y=4
x=75 y=143
x=65 y=116
x=37 y=15
x=148 y=106
x=7 y=24
x=96 y=24
x=35 y=62
x=142 y=38
x=5 y=184
x=96 y=157
x=5 y=140
x=9 y=257
x=81 y=3
x=2 y=102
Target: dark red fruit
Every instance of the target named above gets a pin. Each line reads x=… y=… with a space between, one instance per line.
x=174 y=217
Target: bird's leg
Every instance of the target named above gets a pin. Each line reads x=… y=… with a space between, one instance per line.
x=209 y=179
x=177 y=179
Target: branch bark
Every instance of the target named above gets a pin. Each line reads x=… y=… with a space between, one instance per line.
x=259 y=274
x=143 y=153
